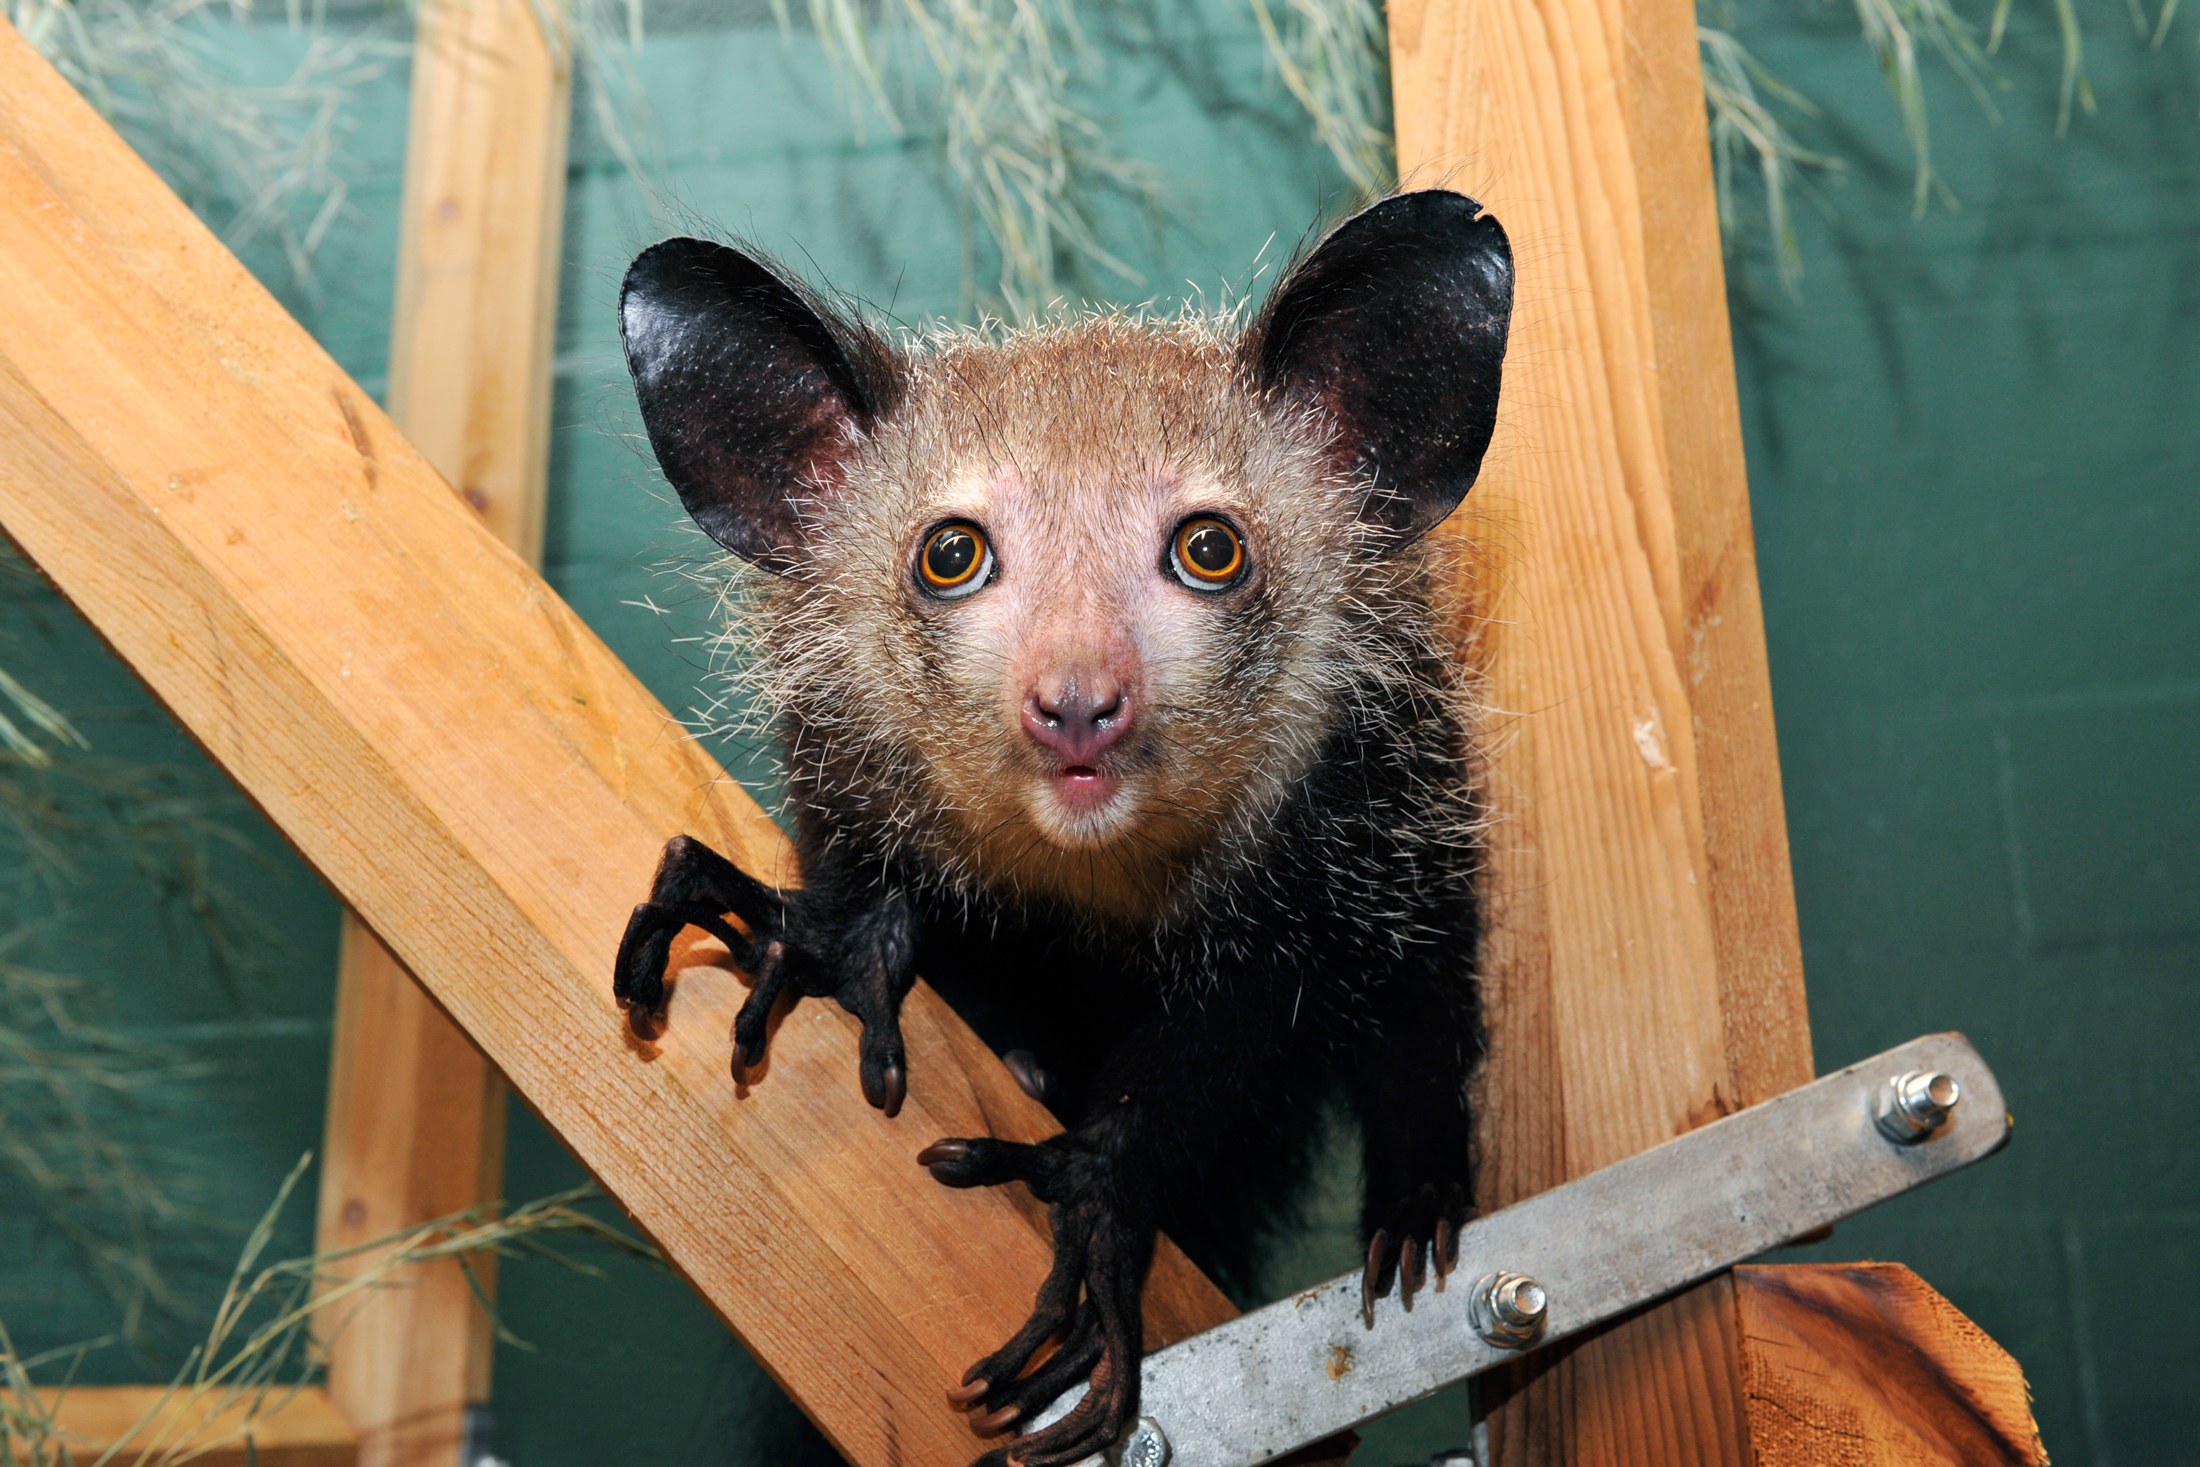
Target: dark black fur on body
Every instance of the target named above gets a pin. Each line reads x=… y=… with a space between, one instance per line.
x=1338 y=950
x=1313 y=928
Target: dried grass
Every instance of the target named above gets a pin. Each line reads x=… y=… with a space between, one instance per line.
x=65 y=809
x=1334 y=57
x=263 y=163
x=1745 y=132
x=59 y=1076
x=605 y=37
x=1031 y=167
x=269 y=1333
x=260 y=162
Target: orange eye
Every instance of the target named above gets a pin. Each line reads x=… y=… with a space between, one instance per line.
x=1208 y=554
x=956 y=560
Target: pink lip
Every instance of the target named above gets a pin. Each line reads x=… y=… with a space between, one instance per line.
x=1084 y=788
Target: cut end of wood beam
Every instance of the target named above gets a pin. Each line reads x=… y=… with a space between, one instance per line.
x=1864 y=1365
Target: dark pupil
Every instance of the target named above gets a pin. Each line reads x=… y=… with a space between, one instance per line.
x=1211 y=548
x=951 y=554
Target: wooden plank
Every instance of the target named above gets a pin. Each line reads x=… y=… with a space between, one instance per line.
x=475 y=323
x=480 y=778
x=1644 y=974
x=288 y=1429
x=415 y=1131
x=416 y=1113
x=1863 y=1365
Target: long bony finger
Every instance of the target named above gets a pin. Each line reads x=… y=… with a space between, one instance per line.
x=752 y=1026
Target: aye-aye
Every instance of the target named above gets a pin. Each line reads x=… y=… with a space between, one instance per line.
x=1112 y=699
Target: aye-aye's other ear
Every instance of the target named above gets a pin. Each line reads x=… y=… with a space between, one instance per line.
x=753 y=393
x=1393 y=329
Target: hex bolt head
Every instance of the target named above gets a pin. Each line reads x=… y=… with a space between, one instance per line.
x=1508 y=1309
x=1913 y=1105
x=1146 y=1446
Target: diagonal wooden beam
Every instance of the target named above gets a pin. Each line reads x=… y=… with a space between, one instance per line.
x=482 y=780
x=1645 y=973
x=416 y=1112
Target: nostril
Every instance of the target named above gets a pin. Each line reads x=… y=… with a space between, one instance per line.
x=1078 y=719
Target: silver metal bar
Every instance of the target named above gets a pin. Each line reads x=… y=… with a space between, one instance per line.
x=1308 y=1367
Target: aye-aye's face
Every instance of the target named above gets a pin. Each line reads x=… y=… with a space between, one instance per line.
x=1100 y=593
x=1090 y=584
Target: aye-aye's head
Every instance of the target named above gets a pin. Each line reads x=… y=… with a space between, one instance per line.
x=1064 y=610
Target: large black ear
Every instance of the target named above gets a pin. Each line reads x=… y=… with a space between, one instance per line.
x=1393 y=329
x=754 y=394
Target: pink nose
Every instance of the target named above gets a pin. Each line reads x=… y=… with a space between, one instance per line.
x=1077 y=714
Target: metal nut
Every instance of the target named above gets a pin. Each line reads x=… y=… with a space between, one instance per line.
x=1146 y=1446
x=1913 y=1105
x=1508 y=1309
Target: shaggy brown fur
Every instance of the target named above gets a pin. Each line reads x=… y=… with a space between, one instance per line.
x=1189 y=852
x=1079 y=446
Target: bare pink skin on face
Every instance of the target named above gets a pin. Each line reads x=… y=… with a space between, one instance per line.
x=1081 y=611
x=1075 y=711
x=1087 y=721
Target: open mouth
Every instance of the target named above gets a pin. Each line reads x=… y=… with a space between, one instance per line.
x=1084 y=788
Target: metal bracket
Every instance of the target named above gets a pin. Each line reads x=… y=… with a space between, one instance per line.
x=1308 y=1367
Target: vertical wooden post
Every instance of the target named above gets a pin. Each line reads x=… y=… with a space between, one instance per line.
x=416 y=1113
x=1645 y=975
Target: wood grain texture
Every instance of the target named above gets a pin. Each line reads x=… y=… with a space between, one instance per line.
x=483 y=781
x=1644 y=974
x=299 y=1429
x=416 y=1113
x=1864 y=1365
x=415 y=1131
x=474 y=327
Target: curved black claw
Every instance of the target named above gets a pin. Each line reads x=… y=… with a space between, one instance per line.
x=874 y=967
x=1109 y=1362
x=882 y=1063
x=1422 y=1236
x=1375 y=1278
x=990 y=1384
x=1094 y=1254
x=694 y=887
x=1089 y=1301
x=638 y=976
x=981 y=1161
x=775 y=975
x=1027 y=1395
x=864 y=958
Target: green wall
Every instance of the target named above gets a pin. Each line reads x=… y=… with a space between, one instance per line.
x=1973 y=453
x=1973 y=448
